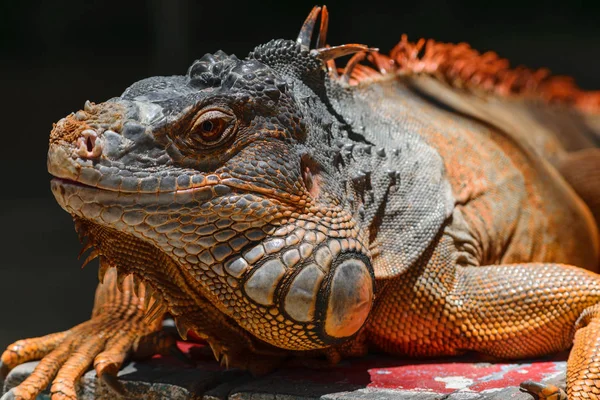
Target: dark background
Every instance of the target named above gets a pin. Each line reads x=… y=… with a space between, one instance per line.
x=54 y=55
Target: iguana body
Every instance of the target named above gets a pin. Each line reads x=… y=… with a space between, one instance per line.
x=276 y=209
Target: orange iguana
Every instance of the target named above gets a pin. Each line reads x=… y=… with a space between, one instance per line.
x=426 y=203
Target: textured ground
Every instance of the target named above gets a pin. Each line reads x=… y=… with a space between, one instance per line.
x=375 y=377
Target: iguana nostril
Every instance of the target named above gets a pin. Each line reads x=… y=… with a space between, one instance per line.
x=89 y=145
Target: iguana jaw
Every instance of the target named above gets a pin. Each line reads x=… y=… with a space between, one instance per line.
x=283 y=269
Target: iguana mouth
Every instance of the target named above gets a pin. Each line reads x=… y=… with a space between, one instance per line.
x=63 y=181
x=82 y=173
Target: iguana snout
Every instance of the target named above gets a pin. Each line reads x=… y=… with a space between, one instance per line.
x=108 y=146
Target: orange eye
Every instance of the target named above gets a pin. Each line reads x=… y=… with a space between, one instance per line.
x=211 y=129
x=212 y=126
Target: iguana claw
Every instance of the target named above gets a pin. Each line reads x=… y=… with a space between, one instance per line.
x=544 y=391
x=4 y=370
x=10 y=395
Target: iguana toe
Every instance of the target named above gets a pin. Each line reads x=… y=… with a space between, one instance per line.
x=544 y=391
x=25 y=350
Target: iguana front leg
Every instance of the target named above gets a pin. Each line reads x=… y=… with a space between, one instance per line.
x=507 y=311
x=117 y=327
x=527 y=310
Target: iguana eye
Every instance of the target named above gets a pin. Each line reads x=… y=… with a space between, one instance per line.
x=211 y=127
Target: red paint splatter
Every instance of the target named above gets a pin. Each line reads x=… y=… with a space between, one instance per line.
x=476 y=377
x=386 y=372
x=190 y=347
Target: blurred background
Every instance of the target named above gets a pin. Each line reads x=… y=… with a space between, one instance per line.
x=54 y=55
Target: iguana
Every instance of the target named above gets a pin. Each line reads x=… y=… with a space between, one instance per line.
x=427 y=203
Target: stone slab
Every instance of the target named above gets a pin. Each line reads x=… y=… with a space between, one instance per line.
x=369 y=378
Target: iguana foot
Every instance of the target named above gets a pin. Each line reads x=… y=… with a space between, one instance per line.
x=116 y=330
x=544 y=391
x=104 y=341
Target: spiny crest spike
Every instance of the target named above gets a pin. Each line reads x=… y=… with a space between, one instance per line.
x=137 y=281
x=332 y=68
x=103 y=268
x=225 y=361
x=149 y=292
x=85 y=248
x=121 y=276
x=322 y=38
x=216 y=350
x=307 y=28
x=155 y=311
x=182 y=328
x=358 y=57
x=95 y=253
x=331 y=53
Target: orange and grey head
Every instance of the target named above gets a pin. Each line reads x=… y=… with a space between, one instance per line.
x=233 y=172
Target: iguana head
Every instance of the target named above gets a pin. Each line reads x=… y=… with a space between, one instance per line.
x=231 y=171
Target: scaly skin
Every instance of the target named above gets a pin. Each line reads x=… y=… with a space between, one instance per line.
x=276 y=209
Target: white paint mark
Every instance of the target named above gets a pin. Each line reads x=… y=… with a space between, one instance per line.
x=492 y=390
x=383 y=372
x=553 y=375
x=496 y=376
x=455 y=382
